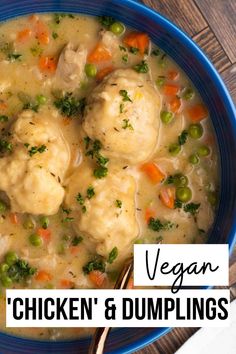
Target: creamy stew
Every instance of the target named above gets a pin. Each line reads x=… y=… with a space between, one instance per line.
x=104 y=143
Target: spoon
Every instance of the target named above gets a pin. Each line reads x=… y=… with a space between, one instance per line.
x=101 y=334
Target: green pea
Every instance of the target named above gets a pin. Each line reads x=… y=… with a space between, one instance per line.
x=212 y=199
x=11 y=258
x=174 y=149
x=6 y=281
x=188 y=94
x=166 y=117
x=193 y=159
x=160 y=81
x=29 y=224
x=90 y=70
x=35 y=240
x=117 y=28
x=180 y=180
x=41 y=99
x=203 y=151
x=4 y=268
x=184 y=194
x=195 y=131
x=3 y=207
x=44 y=222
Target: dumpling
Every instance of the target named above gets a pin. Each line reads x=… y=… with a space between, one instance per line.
x=108 y=217
x=70 y=68
x=32 y=180
x=123 y=113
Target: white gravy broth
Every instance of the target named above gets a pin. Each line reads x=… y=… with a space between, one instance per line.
x=104 y=142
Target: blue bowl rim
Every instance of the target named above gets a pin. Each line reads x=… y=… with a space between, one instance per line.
x=176 y=32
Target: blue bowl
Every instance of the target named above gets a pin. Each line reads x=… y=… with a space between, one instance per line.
x=215 y=95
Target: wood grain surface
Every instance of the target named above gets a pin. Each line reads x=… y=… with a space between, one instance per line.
x=212 y=24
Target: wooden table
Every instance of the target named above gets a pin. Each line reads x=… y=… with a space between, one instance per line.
x=212 y=24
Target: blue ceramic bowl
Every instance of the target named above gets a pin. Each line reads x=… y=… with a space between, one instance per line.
x=191 y=59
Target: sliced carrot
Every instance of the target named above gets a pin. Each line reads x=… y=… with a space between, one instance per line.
x=67 y=284
x=24 y=35
x=74 y=250
x=173 y=74
x=153 y=172
x=175 y=104
x=45 y=234
x=47 y=64
x=99 y=54
x=103 y=72
x=130 y=284
x=170 y=89
x=42 y=275
x=42 y=32
x=137 y=40
x=167 y=196
x=149 y=213
x=97 y=278
x=14 y=218
x=197 y=113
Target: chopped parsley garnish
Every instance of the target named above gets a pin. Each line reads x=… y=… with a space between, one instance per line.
x=67 y=219
x=101 y=161
x=58 y=17
x=122 y=107
x=106 y=21
x=100 y=172
x=133 y=50
x=76 y=240
x=125 y=58
x=182 y=138
x=87 y=142
x=156 y=52
x=70 y=106
x=90 y=192
x=96 y=147
x=112 y=255
x=178 y=204
x=169 y=180
x=54 y=35
x=5 y=146
x=127 y=125
x=20 y=270
x=36 y=50
x=14 y=56
x=96 y=264
x=34 y=149
x=66 y=211
x=3 y=119
x=84 y=209
x=31 y=105
x=192 y=208
x=80 y=199
x=157 y=225
x=142 y=67
x=118 y=203
x=122 y=48
x=125 y=96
